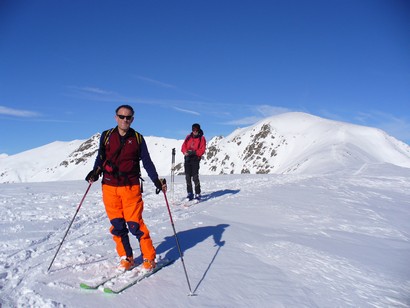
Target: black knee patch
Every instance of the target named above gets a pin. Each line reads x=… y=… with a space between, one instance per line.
x=120 y=228
x=134 y=228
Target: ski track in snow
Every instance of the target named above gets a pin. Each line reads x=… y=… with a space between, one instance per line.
x=260 y=240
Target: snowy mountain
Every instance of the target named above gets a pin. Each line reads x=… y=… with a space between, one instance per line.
x=285 y=239
x=302 y=143
x=290 y=143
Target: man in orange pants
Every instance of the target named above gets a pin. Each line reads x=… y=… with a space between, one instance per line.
x=120 y=150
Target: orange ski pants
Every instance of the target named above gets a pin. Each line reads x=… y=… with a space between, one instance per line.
x=124 y=206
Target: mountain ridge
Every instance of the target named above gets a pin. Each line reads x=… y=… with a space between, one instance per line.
x=292 y=142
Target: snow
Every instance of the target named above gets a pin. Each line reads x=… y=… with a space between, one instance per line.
x=293 y=240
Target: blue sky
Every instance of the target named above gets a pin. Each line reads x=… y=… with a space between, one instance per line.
x=66 y=65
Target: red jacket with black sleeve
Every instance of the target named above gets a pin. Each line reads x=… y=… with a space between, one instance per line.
x=194 y=143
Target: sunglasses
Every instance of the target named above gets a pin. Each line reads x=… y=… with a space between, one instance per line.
x=122 y=117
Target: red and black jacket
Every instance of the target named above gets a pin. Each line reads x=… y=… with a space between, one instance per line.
x=119 y=157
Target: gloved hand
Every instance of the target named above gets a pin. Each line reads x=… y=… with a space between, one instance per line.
x=93 y=175
x=191 y=153
x=160 y=184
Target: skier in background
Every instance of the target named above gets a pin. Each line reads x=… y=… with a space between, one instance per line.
x=193 y=148
x=118 y=160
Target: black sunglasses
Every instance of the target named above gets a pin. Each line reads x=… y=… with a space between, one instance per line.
x=122 y=117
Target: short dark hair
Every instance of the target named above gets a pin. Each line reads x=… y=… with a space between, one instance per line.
x=126 y=107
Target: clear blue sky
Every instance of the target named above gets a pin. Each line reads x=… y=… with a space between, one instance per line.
x=66 y=65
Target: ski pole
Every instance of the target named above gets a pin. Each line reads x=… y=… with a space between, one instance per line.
x=72 y=220
x=172 y=174
x=179 y=247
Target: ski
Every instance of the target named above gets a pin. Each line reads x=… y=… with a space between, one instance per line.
x=188 y=203
x=123 y=282
x=95 y=283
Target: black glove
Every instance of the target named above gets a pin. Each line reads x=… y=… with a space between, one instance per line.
x=191 y=153
x=160 y=184
x=93 y=175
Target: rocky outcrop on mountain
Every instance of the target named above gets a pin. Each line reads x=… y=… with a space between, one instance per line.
x=246 y=151
x=86 y=151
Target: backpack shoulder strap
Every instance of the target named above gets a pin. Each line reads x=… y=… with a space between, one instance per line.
x=107 y=135
x=139 y=137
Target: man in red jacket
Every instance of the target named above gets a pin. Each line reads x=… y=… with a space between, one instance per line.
x=193 y=148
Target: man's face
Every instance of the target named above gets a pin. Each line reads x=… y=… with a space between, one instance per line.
x=124 y=118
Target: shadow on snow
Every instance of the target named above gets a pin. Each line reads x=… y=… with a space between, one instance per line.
x=219 y=193
x=188 y=239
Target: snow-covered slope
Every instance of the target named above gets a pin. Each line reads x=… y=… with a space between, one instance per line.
x=255 y=241
x=285 y=144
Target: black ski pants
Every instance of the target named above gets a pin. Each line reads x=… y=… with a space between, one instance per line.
x=191 y=166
